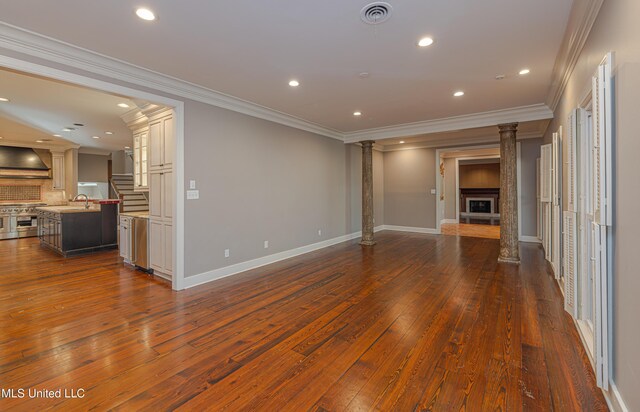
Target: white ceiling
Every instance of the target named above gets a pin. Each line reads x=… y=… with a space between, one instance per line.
x=39 y=108
x=251 y=49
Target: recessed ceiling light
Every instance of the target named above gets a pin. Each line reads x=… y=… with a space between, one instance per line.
x=108 y=133
x=425 y=41
x=145 y=14
x=127 y=147
x=294 y=83
x=363 y=75
x=524 y=71
x=459 y=93
x=57 y=135
x=66 y=129
x=500 y=77
x=357 y=113
x=123 y=105
x=96 y=137
x=401 y=141
x=3 y=99
x=39 y=141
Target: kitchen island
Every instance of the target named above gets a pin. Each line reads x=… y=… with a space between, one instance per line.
x=72 y=230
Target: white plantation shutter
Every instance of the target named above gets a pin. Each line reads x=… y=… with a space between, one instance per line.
x=555 y=153
x=556 y=212
x=545 y=173
x=572 y=181
x=599 y=267
x=570 y=264
x=602 y=184
x=602 y=142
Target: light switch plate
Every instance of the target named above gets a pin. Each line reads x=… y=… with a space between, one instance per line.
x=193 y=194
x=433 y=191
x=192 y=184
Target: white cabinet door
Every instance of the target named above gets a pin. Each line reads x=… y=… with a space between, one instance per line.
x=167 y=143
x=58 y=171
x=136 y=161
x=155 y=194
x=144 y=162
x=156 y=139
x=167 y=194
x=156 y=245
x=168 y=249
x=125 y=238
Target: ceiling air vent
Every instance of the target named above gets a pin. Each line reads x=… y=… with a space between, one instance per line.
x=376 y=13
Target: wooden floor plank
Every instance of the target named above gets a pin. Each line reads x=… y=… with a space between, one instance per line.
x=417 y=322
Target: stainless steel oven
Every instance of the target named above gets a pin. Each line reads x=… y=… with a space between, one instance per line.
x=26 y=225
x=18 y=220
x=5 y=226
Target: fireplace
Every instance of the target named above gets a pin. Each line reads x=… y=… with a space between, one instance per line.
x=480 y=205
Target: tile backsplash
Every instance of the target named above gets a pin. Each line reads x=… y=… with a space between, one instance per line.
x=20 y=192
x=36 y=190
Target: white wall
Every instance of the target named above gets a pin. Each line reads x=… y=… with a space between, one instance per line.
x=409 y=176
x=617 y=29
x=258 y=181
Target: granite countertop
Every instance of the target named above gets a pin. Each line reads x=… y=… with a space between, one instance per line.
x=144 y=214
x=68 y=209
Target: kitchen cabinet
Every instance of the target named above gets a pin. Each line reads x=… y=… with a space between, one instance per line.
x=125 y=238
x=161 y=192
x=57 y=170
x=141 y=160
x=161 y=141
x=161 y=248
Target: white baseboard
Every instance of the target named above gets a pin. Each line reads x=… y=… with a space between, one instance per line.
x=530 y=239
x=411 y=229
x=613 y=398
x=220 y=273
x=445 y=221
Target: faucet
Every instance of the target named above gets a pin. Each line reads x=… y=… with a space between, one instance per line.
x=86 y=199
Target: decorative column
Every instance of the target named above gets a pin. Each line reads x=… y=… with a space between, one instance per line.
x=367 y=193
x=509 y=251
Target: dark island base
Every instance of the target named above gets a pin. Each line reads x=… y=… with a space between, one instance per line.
x=77 y=252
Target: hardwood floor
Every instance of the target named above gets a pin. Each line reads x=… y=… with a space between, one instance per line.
x=418 y=322
x=471 y=230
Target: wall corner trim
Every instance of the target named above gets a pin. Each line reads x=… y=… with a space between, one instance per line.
x=581 y=19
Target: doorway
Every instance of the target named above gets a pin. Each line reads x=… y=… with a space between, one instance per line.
x=470 y=192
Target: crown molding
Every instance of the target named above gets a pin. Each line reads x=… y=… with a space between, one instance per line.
x=51 y=146
x=581 y=19
x=470 y=121
x=49 y=49
x=448 y=142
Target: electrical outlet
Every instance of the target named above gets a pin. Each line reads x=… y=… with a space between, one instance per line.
x=319 y=232
x=193 y=194
x=226 y=253
x=266 y=244
x=433 y=191
x=192 y=184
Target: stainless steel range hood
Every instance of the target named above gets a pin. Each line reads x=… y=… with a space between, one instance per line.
x=22 y=163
